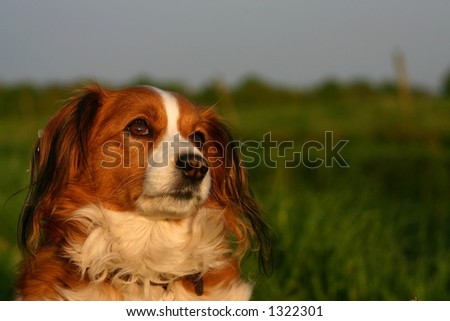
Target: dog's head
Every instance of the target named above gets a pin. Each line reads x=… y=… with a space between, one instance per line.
x=143 y=150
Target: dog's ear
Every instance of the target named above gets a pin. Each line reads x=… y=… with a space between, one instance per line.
x=231 y=190
x=59 y=155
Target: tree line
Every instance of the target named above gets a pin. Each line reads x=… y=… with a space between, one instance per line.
x=28 y=98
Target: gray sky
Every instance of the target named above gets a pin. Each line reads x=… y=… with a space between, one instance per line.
x=290 y=42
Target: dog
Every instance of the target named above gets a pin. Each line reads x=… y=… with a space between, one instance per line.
x=137 y=194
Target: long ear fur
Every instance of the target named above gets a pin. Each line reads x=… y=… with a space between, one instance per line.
x=231 y=190
x=59 y=154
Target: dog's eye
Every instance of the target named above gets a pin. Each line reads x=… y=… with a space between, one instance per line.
x=197 y=138
x=138 y=127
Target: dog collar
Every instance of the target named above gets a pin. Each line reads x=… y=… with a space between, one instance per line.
x=196 y=279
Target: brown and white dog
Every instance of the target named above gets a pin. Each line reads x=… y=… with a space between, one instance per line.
x=137 y=194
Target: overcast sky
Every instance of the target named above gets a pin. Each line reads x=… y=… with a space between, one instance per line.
x=290 y=42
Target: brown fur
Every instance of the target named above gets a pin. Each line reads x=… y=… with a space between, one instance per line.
x=65 y=175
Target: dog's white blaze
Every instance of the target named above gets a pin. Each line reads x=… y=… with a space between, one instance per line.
x=172 y=111
x=172 y=142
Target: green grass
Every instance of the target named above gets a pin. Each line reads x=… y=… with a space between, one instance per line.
x=377 y=230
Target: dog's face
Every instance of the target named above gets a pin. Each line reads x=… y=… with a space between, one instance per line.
x=178 y=180
x=148 y=152
x=140 y=150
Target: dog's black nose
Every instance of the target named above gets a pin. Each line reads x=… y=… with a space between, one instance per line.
x=193 y=166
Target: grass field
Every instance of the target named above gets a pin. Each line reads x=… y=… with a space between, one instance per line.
x=378 y=229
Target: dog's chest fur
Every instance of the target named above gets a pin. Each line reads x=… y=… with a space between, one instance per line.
x=136 y=258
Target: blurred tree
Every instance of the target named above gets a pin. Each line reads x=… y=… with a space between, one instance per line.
x=330 y=89
x=255 y=89
x=446 y=84
x=387 y=87
x=361 y=89
x=19 y=100
x=207 y=94
x=142 y=79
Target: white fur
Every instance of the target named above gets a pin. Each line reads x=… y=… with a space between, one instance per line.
x=156 y=201
x=131 y=251
x=172 y=111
